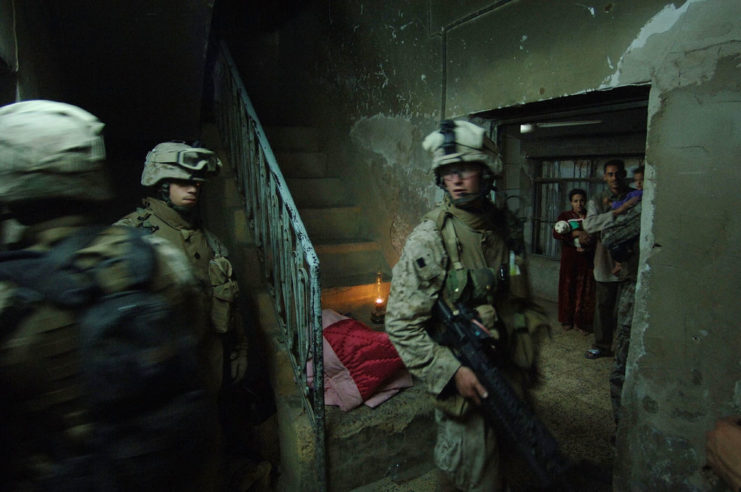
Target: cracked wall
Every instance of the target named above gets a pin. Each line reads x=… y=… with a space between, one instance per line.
x=388 y=72
x=684 y=368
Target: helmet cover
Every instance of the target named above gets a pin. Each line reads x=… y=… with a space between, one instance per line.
x=462 y=141
x=180 y=161
x=50 y=149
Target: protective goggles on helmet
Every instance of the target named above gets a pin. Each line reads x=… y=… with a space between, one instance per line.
x=195 y=159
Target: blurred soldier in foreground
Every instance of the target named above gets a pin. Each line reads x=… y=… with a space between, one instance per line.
x=466 y=250
x=98 y=369
x=174 y=173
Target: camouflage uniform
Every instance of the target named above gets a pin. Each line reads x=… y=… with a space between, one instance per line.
x=457 y=254
x=207 y=255
x=51 y=161
x=212 y=270
x=625 y=304
x=48 y=395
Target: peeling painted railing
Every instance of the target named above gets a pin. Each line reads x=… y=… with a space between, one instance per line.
x=290 y=263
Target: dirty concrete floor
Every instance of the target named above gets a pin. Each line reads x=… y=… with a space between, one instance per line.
x=573 y=402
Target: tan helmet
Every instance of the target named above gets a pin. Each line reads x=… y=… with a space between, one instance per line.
x=50 y=149
x=178 y=160
x=462 y=141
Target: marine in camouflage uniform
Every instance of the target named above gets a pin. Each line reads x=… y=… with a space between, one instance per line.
x=174 y=173
x=471 y=251
x=51 y=180
x=625 y=304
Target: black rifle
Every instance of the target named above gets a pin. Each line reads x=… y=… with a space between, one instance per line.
x=509 y=415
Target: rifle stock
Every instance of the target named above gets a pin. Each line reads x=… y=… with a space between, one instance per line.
x=510 y=416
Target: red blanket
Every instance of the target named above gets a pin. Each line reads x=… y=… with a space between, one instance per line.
x=361 y=365
x=367 y=354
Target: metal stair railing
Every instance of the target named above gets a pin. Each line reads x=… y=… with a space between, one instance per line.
x=290 y=263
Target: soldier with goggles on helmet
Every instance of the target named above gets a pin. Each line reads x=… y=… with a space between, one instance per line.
x=174 y=173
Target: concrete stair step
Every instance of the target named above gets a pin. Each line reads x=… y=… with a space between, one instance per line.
x=402 y=478
x=329 y=248
x=294 y=138
x=294 y=431
x=350 y=263
x=365 y=445
x=347 y=298
x=319 y=192
x=335 y=224
x=356 y=301
x=389 y=446
x=391 y=443
x=303 y=164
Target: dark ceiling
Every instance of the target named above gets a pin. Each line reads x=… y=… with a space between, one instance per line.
x=138 y=65
x=620 y=111
x=600 y=123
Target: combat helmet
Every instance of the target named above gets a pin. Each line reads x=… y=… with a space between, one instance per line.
x=462 y=141
x=178 y=160
x=51 y=150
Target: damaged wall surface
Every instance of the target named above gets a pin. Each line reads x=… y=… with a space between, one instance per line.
x=377 y=77
x=386 y=73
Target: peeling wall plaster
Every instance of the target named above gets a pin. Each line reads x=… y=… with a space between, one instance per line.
x=383 y=72
x=684 y=318
x=391 y=137
x=676 y=46
x=399 y=180
x=663 y=52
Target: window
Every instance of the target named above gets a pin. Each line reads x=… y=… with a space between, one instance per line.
x=553 y=181
x=553 y=146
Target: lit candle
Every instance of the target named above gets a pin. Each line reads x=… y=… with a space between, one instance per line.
x=378 y=313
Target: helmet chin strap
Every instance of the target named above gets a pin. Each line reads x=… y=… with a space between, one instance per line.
x=164 y=193
x=469 y=201
x=188 y=213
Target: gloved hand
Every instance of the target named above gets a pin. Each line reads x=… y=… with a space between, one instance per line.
x=238 y=362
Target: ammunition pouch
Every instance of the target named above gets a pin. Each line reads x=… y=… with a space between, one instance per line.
x=473 y=286
x=525 y=324
x=224 y=292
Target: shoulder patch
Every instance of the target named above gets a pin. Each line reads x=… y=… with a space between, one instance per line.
x=424 y=252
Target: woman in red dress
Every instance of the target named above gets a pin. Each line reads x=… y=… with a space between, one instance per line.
x=576 y=280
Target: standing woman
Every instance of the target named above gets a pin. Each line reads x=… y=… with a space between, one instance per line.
x=576 y=288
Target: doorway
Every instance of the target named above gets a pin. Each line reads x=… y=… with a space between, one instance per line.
x=549 y=148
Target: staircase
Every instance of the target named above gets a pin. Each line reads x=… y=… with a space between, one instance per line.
x=349 y=260
x=364 y=445
x=393 y=442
